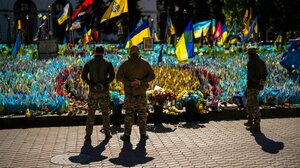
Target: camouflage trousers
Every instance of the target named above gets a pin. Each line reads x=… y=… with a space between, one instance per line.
x=253 y=104
x=94 y=100
x=132 y=105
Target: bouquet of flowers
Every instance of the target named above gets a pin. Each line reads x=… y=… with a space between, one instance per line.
x=160 y=96
x=165 y=98
x=195 y=96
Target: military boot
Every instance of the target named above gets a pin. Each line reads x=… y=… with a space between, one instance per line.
x=125 y=138
x=256 y=125
x=87 y=137
x=249 y=123
x=144 y=137
x=107 y=136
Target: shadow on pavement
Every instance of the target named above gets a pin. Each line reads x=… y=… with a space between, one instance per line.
x=160 y=128
x=193 y=125
x=267 y=145
x=129 y=157
x=89 y=153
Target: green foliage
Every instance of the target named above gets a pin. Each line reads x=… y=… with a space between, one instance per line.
x=274 y=16
x=234 y=11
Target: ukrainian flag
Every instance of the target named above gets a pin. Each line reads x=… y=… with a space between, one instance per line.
x=116 y=8
x=201 y=26
x=233 y=40
x=232 y=34
x=75 y=25
x=224 y=33
x=17 y=45
x=223 y=36
x=278 y=40
x=171 y=27
x=248 y=13
x=137 y=36
x=213 y=26
x=19 y=25
x=63 y=15
x=185 y=45
x=87 y=37
x=247 y=37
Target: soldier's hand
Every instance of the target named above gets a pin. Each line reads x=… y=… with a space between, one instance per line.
x=98 y=87
x=262 y=82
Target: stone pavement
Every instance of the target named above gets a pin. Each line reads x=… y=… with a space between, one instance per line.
x=213 y=144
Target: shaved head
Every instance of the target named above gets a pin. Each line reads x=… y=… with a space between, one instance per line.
x=134 y=52
x=134 y=49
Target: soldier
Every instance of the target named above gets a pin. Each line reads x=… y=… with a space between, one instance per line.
x=101 y=73
x=135 y=73
x=257 y=74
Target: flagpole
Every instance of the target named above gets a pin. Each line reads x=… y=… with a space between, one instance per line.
x=167 y=24
x=70 y=25
x=8 y=40
x=20 y=29
x=256 y=34
x=166 y=31
x=49 y=21
x=128 y=18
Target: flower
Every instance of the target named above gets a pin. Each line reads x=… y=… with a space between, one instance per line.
x=160 y=96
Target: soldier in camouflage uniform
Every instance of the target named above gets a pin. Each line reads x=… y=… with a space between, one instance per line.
x=135 y=73
x=256 y=77
x=101 y=73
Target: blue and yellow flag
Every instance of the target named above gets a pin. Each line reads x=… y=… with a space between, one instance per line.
x=232 y=36
x=185 y=45
x=248 y=12
x=141 y=21
x=232 y=40
x=137 y=36
x=251 y=29
x=248 y=17
x=171 y=31
x=87 y=36
x=63 y=15
x=201 y=28
x=223 y=36
x=154 y=34
x=213 y=26
x=278 y=39
x=17 y=45
x=116 y=8
x=171 y=26
x=75 y=25
x=19 y=25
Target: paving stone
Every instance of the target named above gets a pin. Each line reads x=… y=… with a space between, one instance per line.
x=218 y=144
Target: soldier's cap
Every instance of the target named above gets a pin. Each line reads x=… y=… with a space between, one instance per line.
x=251 y=50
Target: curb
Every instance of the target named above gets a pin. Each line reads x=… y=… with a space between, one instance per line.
x=80 y=119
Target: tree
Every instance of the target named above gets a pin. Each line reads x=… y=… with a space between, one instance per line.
x=182 y=11
x=275 y=16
